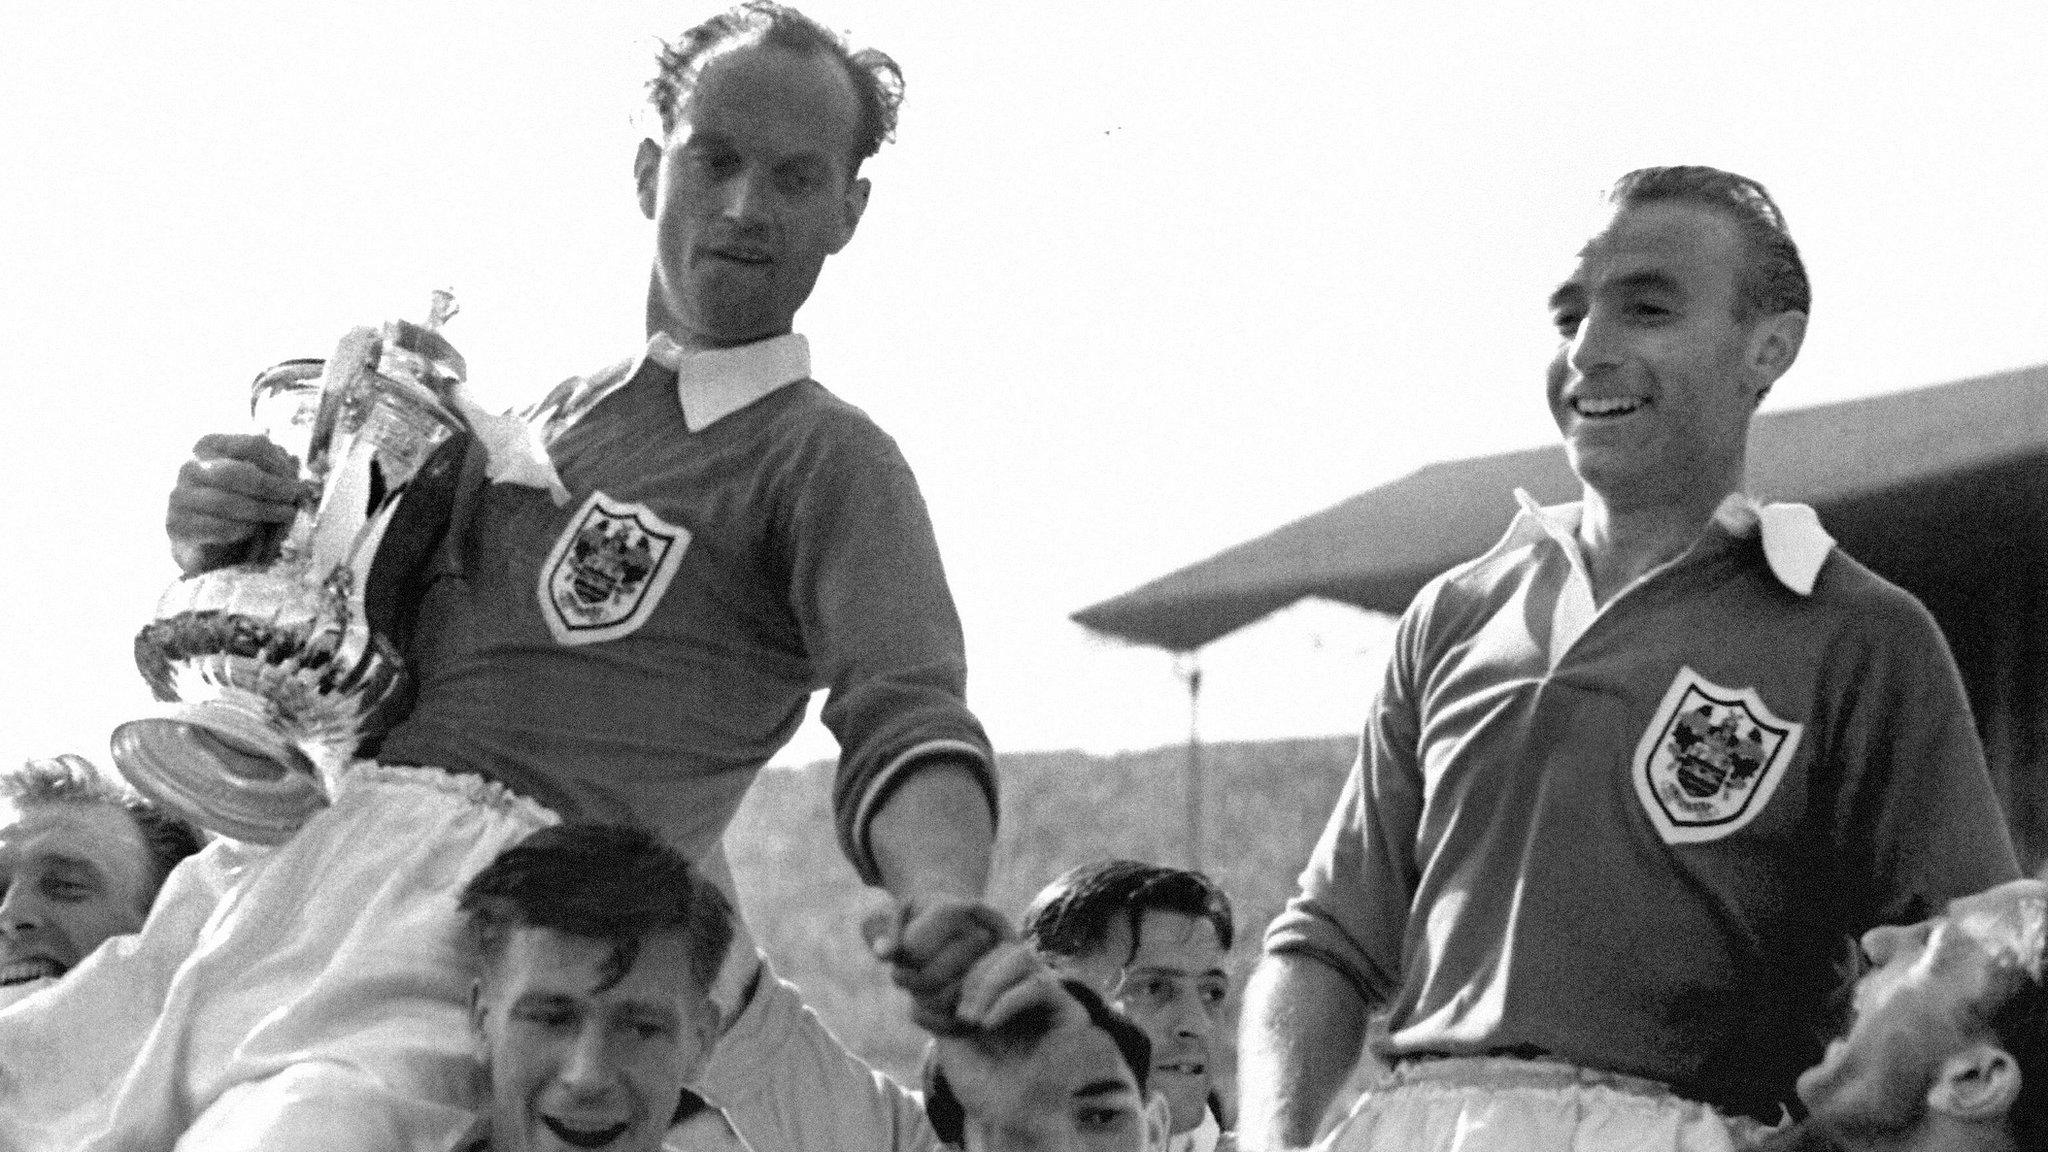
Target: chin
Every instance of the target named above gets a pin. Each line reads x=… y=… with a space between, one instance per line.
x=1188 y=1113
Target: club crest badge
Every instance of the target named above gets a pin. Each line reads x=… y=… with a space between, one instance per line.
x=1710 y=759
x=608 y=570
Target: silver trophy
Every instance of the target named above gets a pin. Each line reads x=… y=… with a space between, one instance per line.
x=271 y=665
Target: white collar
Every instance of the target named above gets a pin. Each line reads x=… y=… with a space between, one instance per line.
x=1795 y=544
x=717 y=382
x=1200 y=1138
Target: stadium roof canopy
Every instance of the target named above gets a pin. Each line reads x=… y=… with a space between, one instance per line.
x=1943 y=490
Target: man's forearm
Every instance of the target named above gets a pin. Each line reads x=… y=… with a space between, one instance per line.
x=933 y=834
x=1303 y=1025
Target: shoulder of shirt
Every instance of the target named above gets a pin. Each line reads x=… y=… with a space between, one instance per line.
x=1848 y=585
x=810 y=409
x=605 y=377
x=1472 y=577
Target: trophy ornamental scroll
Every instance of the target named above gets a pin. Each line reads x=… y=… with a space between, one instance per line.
x=271 y=666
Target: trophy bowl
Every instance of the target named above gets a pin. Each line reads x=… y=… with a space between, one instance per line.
x=271 y=666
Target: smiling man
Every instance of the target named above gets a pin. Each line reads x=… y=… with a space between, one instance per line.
x=1153 y=941
x=81 y=860
x=597 y=946
x=735 y=537
x=1637 y=774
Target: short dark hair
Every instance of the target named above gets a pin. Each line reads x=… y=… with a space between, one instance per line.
x=1773 y=279
x=68 y=778
x=1071 y=917
x=949 y=1119
x=2020 y=1022
x=614 y=883
x=877 y=81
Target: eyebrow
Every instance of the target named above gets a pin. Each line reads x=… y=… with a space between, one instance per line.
x=1637 y=281
x=1653 y=281
x=66 y=860
x=1105 y=1088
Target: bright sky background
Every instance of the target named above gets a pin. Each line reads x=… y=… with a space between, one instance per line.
x=1139 y=280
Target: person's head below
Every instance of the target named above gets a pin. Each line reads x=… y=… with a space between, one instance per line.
x=1681 y=311
x=766 y=116
x=1949 y=1045
x=1083 y=1086
x=1153 y=941
x=81 y=859
x=596 y=947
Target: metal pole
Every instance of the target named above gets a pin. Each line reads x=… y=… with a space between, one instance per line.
x=1192 y=673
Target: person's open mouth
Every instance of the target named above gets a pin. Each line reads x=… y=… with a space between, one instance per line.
x=33 y=968
x=585 y=1137
x=1605 y=408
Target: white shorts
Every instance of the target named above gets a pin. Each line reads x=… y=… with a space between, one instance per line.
x=311 y=995
x=1496 y=1104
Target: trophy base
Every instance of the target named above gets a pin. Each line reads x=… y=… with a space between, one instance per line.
x=223 y=770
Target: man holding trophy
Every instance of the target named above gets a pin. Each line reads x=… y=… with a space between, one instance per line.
x=619 y=617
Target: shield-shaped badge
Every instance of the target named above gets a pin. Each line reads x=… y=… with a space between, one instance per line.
x=608 y=570
x=1710 y=759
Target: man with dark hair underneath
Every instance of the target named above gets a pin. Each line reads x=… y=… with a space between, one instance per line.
x=1154 y=942
x=1071 y=1074
x=81 y=861
x=790 y=550
x=1637 y=774
x=597 y=947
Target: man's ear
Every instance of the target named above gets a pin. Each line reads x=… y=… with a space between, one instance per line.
x=1158 y=1121
x=854 y=203
x=646 y=167
x=1977 y=1084
x=1773 y=344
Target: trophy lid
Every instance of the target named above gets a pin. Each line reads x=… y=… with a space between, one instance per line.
x=432 y=348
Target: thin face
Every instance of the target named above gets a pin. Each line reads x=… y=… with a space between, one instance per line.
x=1174 y=988
x=1652 y=384
x=1914 y=1007
x=71 y=875
x=750 y=193
x=575 y=1064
